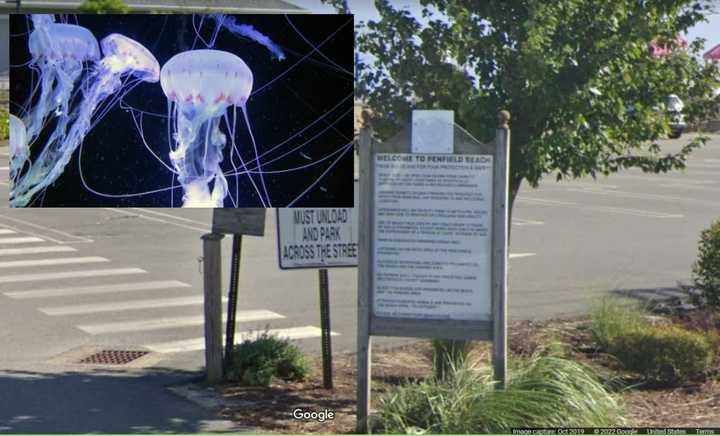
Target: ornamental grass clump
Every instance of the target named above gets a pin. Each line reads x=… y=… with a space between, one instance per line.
x=545 y=390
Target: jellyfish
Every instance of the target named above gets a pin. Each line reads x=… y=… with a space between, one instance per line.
x=123 y=58
x=19 y=151
x=200 y=86
x=59 y=51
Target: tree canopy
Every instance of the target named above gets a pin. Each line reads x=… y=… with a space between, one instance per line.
x=577 y=76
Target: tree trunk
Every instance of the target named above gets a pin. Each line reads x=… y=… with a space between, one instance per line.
x=514 y=189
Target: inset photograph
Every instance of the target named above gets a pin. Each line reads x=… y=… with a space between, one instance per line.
x=181 y=110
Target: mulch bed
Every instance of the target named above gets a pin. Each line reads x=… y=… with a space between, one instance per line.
x=695 y=403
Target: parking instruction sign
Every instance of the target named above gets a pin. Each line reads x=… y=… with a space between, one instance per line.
x=316 y=237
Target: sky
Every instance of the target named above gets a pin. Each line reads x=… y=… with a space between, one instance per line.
x=364 y=10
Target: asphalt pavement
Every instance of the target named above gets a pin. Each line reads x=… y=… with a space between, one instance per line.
x=75 y=281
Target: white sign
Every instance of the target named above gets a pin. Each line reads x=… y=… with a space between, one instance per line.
x=433 y=236
x=318 y=237
x=432 y=131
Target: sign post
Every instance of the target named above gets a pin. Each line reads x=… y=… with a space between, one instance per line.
x=433 y=262
x=319 y=238
x=236 y=222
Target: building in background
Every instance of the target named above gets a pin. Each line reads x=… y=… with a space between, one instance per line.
x=164 y=6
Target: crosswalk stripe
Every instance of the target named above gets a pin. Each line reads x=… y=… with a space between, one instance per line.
x=123 y=305
x=69 y=274
x=90 y=290
x=6 y=231
x=174 y=322
x=36 y=250
x=517 y=255
x=50 y=262
x=196 y=344
x=22 y=240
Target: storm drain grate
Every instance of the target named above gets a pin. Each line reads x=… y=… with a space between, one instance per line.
x=113 y=357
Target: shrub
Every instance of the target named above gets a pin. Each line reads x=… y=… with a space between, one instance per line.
x=665 y=353
x=706 y=270
x=449 y=354
x=545 y=390
x=256 y=361
x=104 y=7
x=4 y=124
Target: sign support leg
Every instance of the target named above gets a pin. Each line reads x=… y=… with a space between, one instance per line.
x=232 y=300
x=325 y=327
x=212 y=279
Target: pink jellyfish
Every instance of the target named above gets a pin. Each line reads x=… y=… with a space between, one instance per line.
x=200 y=86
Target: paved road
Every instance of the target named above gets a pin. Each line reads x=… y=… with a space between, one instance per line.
x=73 y=280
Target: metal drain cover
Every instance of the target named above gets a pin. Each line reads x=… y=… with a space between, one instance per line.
x=113 y=357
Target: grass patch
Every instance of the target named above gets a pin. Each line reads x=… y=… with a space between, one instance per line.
x=544 y=390
x=256 y=361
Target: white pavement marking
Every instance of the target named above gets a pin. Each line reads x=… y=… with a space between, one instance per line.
x=644 y=196
x=72 y=238
x=117 y=306
x=70 y=274
x=523 y=222
x=36 y=250
x=91 y=290
x=6 y=231
x=518 y=255
x=174 y=322
x=49 y=262
x=160 y=220
x=620 y=210
x=5 y=168
x=167 y=215
x=22 y=240
x=199 y=343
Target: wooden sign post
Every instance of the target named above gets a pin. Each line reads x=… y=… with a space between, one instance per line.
x=433 y=248
x=236 y=222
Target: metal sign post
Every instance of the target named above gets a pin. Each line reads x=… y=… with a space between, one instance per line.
x=319 y=238
x=325 y=327
x=433 y=257
x=232 y=300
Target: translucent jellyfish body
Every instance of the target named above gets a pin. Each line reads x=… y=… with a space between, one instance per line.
x=19 y=152
x=201 y=85
x=59 y=53
x=122 y=57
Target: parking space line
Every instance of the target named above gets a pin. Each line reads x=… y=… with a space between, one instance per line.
x=619 y=210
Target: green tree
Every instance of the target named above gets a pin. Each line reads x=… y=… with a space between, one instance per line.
x=576 y=75
x=104 y=7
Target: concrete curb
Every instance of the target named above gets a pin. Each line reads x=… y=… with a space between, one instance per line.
x=207 y=398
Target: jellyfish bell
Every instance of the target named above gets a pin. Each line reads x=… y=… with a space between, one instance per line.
x=200 y=86
x=59 y=53
x=19 y=151
x=123 y=54
x=59 y=42
x=211 y=79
